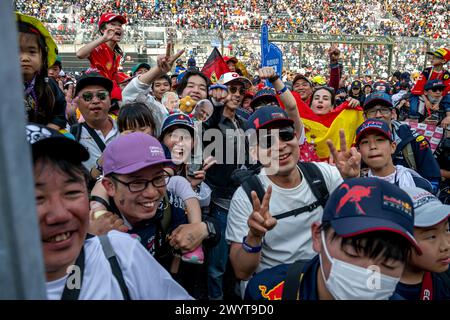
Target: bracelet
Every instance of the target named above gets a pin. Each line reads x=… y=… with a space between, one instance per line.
x=282 y=90
x=248 y=248
x=274 y=78
x=98 y=166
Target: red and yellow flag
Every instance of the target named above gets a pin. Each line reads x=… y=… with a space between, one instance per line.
x=320 y=128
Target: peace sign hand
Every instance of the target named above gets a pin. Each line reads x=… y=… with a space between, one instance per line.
x=261 y=221
x=165 y=63
x=348 y=162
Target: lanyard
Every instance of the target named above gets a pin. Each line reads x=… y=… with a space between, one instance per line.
x=426 y=292
x=74 y=293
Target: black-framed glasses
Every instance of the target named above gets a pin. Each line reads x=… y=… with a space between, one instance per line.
x=88 y=95
x=373 y=113
x=142 y=184
x=233 y=90
x=437 y=89
x=268 y=140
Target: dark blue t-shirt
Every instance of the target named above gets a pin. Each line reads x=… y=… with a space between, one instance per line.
x=413 y=291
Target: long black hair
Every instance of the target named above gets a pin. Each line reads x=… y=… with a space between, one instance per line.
x=41 y=111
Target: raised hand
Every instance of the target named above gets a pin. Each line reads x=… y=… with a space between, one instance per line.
x=348 y=162
x=261 y=221
x=334 y=54
x=266 y=73
x=108 y=34
x=165 y=62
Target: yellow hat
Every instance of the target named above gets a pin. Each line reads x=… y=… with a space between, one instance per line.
x=52 y=49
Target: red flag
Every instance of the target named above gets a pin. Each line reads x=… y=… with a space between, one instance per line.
x=215 y=66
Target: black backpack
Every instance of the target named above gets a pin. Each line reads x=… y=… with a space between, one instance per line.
x=312 y=174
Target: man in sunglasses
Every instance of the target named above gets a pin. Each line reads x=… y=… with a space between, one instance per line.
x=413 y=150
x=286 y=239
x=93 y=99
x=438 y=108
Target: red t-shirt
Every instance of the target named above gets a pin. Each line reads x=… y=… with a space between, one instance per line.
x=430 y=74
x=105 y=61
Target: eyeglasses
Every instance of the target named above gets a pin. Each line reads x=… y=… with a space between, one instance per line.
x=268 y=140
x=141 y=185
x=437 y=89
x=234 y=89
x=88 y=95
x=383 y=111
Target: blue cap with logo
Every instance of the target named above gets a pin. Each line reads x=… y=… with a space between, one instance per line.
x=378 y=97
x=178 y=119
x=364 y=205
x=373 y=125
x=434 y=84
x=266 y=95
x=268 y=115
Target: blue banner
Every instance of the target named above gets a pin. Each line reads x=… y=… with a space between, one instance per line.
x=271 y=55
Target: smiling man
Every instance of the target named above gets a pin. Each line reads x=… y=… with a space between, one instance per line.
x=62 y=205
x=92 y=96
x=293 y=203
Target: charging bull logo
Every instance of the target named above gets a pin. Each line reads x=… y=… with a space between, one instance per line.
x=354 y=194
x=274 y=294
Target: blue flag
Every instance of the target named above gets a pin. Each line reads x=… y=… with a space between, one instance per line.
x=271 y=55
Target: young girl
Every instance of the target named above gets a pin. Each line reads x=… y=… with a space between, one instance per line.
x=44 y=101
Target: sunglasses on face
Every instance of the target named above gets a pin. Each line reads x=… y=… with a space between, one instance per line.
x=268 y=140
x=233 y=90
x=437 y=89
x=88 y=95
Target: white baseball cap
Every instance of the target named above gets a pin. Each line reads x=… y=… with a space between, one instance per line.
x=428 y=209
x=229 y=77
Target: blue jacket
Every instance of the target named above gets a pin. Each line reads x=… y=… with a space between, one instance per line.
x=426 y=164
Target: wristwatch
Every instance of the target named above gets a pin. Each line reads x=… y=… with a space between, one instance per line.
x=211 y=229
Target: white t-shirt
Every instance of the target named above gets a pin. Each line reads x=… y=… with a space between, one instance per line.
x=89 y=143
x=290 y=239
x=145 y=278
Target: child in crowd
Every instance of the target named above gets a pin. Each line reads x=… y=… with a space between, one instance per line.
x=423 y=278
x=44 y=101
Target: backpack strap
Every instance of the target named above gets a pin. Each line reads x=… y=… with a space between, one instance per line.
x=316 y=181
x=408 y=154
x=112 y=259
x=101 y=145
x=75 y=130
x=294 y=275
x=252 y=183
x=298 y=211
x=167 y=214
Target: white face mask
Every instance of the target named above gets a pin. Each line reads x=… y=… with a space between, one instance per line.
x=349 y=282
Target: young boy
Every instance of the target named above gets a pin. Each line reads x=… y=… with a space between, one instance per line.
x=104 y=53
x=436 y=72
x=362 y=246
x=375 y=144
x=421 y=279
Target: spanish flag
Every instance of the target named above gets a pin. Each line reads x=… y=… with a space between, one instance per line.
x=320 y=128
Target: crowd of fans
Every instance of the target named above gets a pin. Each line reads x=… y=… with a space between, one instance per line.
x=314 y=176
x=371 y=17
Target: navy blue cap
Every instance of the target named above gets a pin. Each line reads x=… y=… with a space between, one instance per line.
x=356 y=84
x=371 y=125
x=266 y=94
x=405 y=76
x=378 y=97
x=364 y=205
x=432 y=84
x=385 y=85
x=178 y=119
x=268 y=115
